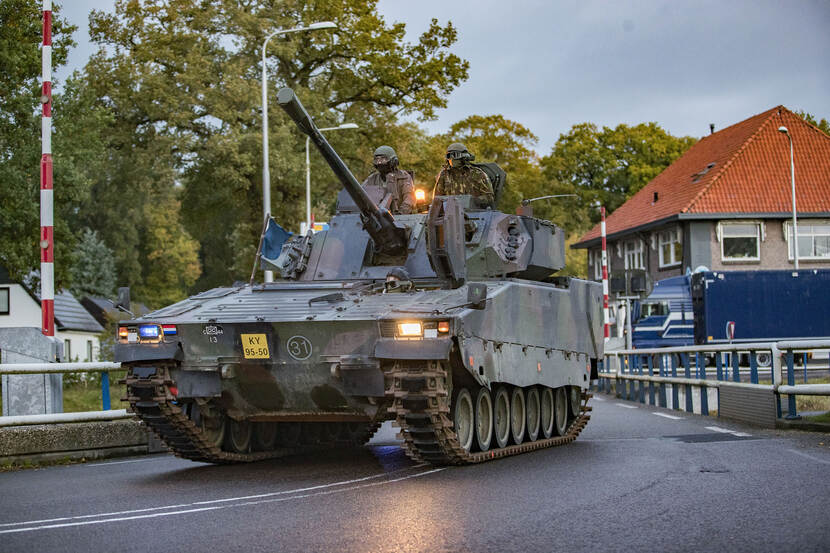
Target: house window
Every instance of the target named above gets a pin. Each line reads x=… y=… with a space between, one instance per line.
x=4 y=301
x=634 y=254
x=67 y=350
x=595 y=258
x=813 y=240
x=670 y=248
x=740 y=241
x=89 y=350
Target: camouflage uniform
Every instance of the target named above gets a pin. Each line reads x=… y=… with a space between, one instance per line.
x=399 y=184
x=465 y=180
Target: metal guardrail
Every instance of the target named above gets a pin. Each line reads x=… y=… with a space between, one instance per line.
x=633 y=366
x=102 y=367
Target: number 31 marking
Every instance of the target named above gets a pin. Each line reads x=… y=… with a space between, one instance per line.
x=299 y=347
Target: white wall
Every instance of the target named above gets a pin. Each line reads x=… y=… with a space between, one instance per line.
x=23 y=309
x=78 y=344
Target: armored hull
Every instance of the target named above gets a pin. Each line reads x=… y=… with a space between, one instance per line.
x=486 y=354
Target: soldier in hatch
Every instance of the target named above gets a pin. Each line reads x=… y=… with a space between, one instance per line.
x=393 y=181
x=459 y=177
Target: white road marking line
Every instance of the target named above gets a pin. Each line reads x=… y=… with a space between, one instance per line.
x=115 y=463
x=816 y=459
x=626 y=405
x=217 y=507
x=727 y=431
x=718 y=429
x=672 y=417
x=208 y=502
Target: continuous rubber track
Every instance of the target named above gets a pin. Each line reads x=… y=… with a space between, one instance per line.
x=150 y=399
x=422 y=411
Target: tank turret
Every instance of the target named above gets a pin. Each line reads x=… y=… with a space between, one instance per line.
x=388 y=236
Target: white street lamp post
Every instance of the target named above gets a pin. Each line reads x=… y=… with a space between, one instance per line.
x=792 y=185
x=308 y=170
x=266 y=175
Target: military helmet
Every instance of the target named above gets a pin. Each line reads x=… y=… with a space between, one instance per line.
x=385 y=159
x=458 y=155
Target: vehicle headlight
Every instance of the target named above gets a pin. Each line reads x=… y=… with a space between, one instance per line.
x=410 y=330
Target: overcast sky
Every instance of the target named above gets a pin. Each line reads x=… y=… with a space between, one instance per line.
x=551 y=64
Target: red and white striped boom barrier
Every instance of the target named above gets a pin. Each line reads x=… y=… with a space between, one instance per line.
x=47 y=249
x=604 y=277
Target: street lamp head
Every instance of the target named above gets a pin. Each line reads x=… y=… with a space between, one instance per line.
x=322 y=25
x=347 y=126
x=783 y=129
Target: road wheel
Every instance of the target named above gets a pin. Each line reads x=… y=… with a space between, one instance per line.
x=547 y=412
x=532 y=408
x=463 y=418
x=560 y=411
x=518 y=415
x=239 y=435
x=265 y=436
x=763 y=359
x=501 y=416
x=484 y=419
x=211 y=422
x=574 y=395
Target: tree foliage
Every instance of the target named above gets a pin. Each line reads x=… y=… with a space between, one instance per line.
x=93 y=273
x=609 y=165
x=185 y=80
x=823 y=125
x=20 y=148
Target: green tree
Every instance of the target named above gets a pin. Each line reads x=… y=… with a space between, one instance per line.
x=184 y=80
x=823 y=125
x=20 y=150
x=93 y=273
x=609 y=165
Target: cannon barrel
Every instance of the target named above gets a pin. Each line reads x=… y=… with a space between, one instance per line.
x=389 y=238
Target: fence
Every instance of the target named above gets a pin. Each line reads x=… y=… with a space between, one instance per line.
x=634 y=371
x=44 y=368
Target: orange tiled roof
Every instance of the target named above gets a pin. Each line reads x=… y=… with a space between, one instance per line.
x=744 y=168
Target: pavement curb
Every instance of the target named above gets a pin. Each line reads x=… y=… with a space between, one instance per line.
x=73 y=441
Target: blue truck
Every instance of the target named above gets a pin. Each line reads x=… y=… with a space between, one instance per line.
x=753 y=306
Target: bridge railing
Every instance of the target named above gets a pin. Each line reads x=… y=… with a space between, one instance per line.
x=641 y=372
x=51 y=368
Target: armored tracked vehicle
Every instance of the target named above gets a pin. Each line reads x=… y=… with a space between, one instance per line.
x=479 y=352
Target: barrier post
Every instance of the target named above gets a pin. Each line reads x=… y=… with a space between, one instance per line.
x=675 y=392
x=688 y=362
x=661 y=387
x=651 y=384
x=105 y=391
x=640 y=364
x=736 y=366
x=719 y=364
x=791 y=408
x=753 y=368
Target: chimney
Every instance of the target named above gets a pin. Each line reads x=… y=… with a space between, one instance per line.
x=711 y=128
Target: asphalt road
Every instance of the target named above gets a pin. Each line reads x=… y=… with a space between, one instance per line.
x=637 y=479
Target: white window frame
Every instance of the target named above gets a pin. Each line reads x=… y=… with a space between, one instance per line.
x=634 y=256
x=805 y=228
x=759 y=237
x=669 y=237
x=89 y=351
x=8 y=295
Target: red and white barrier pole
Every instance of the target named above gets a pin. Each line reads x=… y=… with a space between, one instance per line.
x=47 y=250
x=604 y=277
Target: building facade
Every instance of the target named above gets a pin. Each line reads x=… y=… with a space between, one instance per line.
x=726 y=204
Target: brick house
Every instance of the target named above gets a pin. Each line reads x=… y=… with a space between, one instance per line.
x=726 y=204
